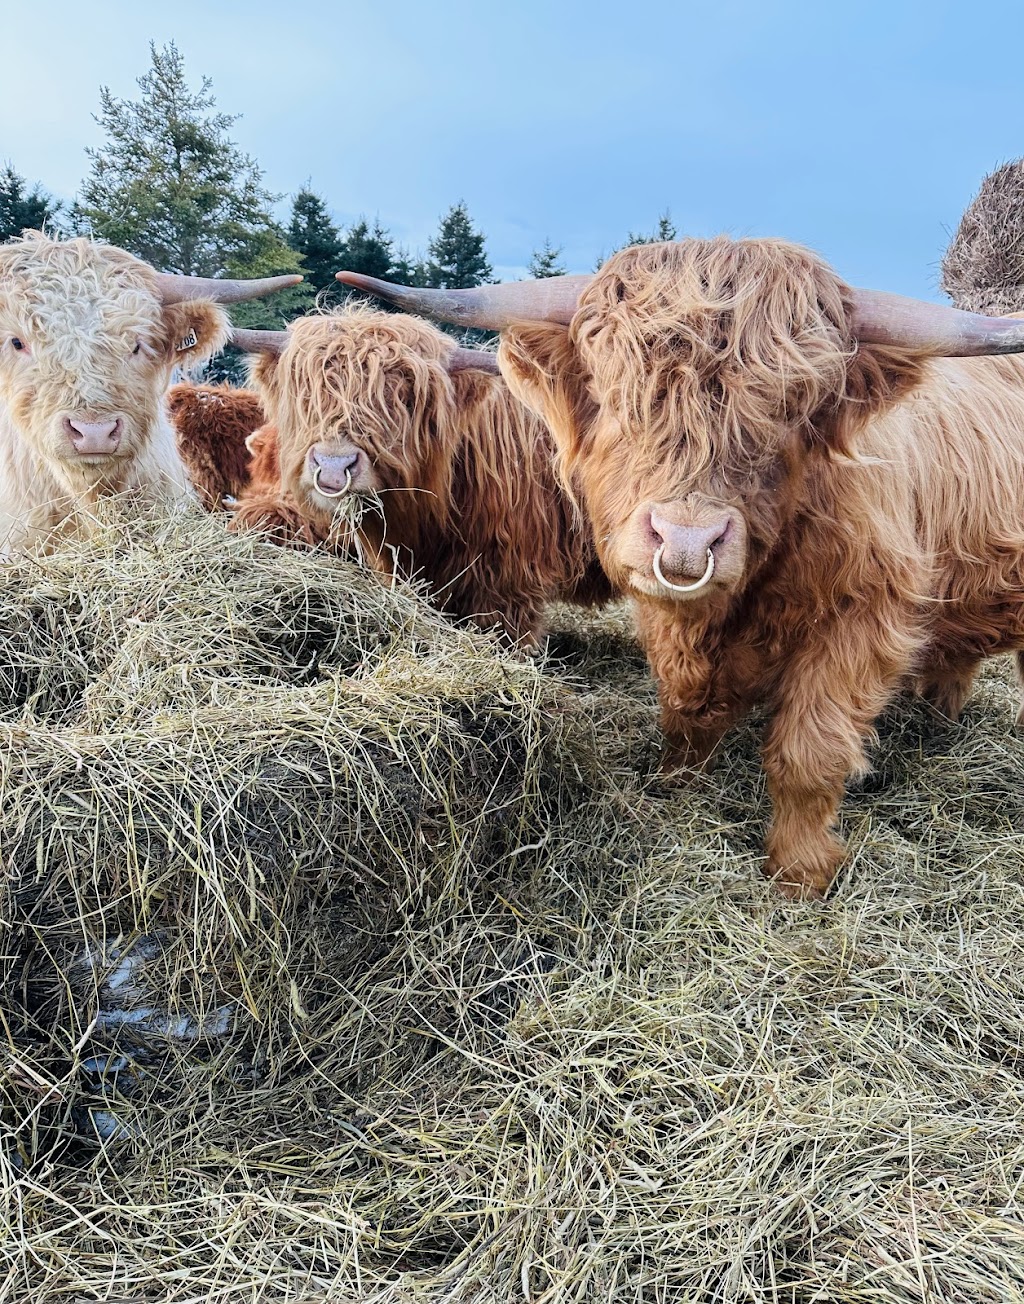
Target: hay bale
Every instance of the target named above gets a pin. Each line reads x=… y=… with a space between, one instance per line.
x=231 y=772
x=509 y=1021
x=983 y=268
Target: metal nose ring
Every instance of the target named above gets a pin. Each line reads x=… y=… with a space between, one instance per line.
x=331 y=493
x=683 y=588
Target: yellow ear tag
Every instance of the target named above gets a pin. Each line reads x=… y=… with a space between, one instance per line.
x=189 y=342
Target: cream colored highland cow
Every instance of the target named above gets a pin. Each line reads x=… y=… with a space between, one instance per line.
x=89 y=336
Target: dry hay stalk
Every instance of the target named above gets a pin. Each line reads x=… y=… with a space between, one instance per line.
x=506 y=1021
x=983 y=268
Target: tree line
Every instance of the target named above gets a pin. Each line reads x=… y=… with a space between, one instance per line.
x=171 y=186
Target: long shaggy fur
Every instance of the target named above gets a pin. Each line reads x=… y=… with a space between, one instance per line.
x=264 y=505
x=96 y=342
x=882 y=496
x=211 y=426
x=466 y=496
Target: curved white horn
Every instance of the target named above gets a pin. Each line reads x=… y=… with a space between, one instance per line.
x=181 y=289
x=259 y=341
x=932 y=328
x=551 y=298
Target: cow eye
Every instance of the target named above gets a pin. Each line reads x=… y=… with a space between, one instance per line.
x=17 y=345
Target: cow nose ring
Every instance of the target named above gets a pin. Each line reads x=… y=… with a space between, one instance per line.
x=332 y=493
x=683 y=588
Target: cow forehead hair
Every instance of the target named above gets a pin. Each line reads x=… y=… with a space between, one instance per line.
x=714 y=337
x=358 y=360
x=76 y=289
x=358 y=327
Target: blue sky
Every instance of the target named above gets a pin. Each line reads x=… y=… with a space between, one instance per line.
x=861 y=130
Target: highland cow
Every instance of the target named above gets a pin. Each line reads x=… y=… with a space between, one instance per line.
x=211 y=425
x=89 y=336
x=411 y=449
x=265 y=505
x=814 y=494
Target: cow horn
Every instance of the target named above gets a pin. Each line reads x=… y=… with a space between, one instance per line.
x=180 y=289
x=473 y=360
x=259 y=341
x=931 y=328
x=552 y=298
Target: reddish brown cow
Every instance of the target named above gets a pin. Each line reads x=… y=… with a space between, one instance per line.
x=232 y=460
x=810 y=491
x=414 y=449
x=211 y=425
x=265 y=505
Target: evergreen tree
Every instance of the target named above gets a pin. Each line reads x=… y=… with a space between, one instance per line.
x=170 y=185
x=456 y=254
x=266 y=253
x=545 y=262
x=22 y=209
x=408 y=271
x=665 y=230
x=368 y=250
x=313 y=235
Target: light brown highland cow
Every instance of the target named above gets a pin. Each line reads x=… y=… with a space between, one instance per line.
x=384 y=423
x=811 y=493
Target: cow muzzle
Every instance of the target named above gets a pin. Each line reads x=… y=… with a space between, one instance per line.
x=680 y=553
x=684 y=558
x=93 y=438
x=334 y=474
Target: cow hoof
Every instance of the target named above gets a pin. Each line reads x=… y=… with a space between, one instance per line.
x=688 y=756
x=947 y=696
x=807 y=878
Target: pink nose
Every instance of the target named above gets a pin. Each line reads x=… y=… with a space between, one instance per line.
x=685 y=547
x=335 y=470
x=91 y=438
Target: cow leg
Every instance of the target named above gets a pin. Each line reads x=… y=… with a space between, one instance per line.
x=694 y=718
x=828 y=700
x=520 y=624
x=689 y=740
x=949 y=688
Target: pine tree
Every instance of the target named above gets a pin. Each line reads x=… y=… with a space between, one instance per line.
x=456 y=254
x=368 y=250
x=408 y=271
x=545 y=262
x=171 y=186
x=313 y=235
x=22 y=209
x=665 y=230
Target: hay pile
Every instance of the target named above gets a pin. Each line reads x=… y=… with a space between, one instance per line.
x=446 y=996
x=983 y=268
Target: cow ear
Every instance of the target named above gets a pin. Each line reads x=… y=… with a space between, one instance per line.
x=263 y=370
x=193 y=331
x=878 y=377
x=542 y=369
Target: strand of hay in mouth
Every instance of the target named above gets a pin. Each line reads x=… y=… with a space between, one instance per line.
x=505 y=1021
x=983 y=268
